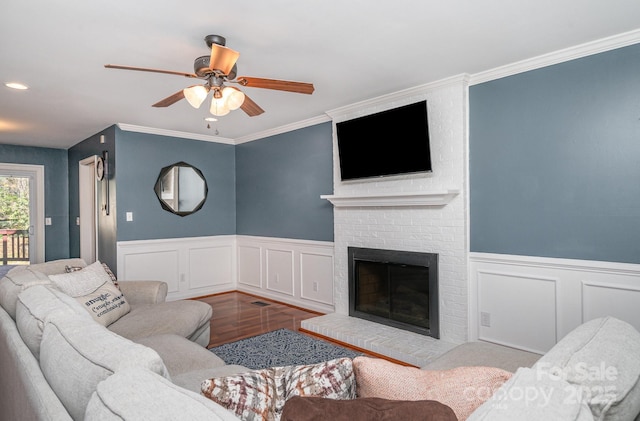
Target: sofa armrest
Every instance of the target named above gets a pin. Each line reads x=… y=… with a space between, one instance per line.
x=144 y=292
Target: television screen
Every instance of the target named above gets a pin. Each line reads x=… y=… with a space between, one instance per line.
x=390 y=142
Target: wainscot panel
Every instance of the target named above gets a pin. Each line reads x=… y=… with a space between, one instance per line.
x=532 y=302
x=297 y=272
x=192 y=267
x=249 y=266
x=280 y=271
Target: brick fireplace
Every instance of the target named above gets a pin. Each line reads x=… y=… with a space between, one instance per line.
x=416 y=213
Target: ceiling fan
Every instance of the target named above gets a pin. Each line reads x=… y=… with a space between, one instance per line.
x=217 y=70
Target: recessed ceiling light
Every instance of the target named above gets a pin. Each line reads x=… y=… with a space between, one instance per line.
x=210 y=119
x=16 y=85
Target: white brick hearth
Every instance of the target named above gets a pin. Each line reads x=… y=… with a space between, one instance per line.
x=409 y=347
x=423 y=227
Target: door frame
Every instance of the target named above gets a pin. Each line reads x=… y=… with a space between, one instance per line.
x=88 y=203
x=35 y=173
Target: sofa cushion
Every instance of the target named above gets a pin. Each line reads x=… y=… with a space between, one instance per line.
x=531 y=395
x=34 y=305
x=92 y=287
x=75 y=356
x=187 y=318
x=16 y=281
x=261 y=394
x=601 y=358
x=463 y=388
x=180 y=355
x=134 y=394
x=300 y=408
x=483 y=354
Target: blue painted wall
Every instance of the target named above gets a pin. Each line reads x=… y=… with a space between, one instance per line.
x=140 y=157
x=56 y=205
x=555 y=160
x=279 y=183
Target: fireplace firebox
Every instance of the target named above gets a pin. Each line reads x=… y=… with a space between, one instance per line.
x=395 y=288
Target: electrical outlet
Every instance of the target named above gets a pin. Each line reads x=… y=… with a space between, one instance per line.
x=315 y=287
x=485 y=319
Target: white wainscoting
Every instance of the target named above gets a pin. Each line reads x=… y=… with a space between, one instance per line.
x=532 y=302
x=298 y=272
x=191 y=267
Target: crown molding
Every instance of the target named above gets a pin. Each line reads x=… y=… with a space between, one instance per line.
x=283 y=129
x=560 y=56
x=174 y=133
x=458 y=80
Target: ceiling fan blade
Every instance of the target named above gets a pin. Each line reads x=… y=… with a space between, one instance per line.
x=279 y=85
x=170 y=100
x=251 y=108
x=222 y=58
x=144 y=69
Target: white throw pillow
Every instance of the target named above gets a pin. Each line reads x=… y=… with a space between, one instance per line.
x=93 y=289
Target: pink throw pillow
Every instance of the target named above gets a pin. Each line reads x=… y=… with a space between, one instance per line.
x=463 y=389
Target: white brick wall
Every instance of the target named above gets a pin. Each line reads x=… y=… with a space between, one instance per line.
x=432 y=229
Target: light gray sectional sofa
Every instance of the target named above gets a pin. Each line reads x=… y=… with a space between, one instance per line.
x=58 y=363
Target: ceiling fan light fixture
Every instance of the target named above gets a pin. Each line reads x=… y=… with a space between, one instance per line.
x=234 y=97
x=219 y=107
x=195 y=95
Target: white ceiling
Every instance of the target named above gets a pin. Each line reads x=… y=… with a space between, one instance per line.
x=351 y=50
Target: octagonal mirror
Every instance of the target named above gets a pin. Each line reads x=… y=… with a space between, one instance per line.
x=181 y=189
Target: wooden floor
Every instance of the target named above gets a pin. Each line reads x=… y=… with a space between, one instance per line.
x=237 y=316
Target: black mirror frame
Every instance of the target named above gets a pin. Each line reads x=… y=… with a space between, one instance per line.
x=158 y=188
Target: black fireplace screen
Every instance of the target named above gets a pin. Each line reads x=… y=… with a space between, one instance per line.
x=395 y=288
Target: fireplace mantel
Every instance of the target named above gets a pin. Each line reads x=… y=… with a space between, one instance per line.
x=422 y=198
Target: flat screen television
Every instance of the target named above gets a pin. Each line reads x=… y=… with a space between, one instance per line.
x=390 y=142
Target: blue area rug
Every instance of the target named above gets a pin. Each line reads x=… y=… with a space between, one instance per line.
x=280 y=348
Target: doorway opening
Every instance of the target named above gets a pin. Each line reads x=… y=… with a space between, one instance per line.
x=21 y=214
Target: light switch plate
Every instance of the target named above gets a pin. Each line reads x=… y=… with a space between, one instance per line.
x=129 y=216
